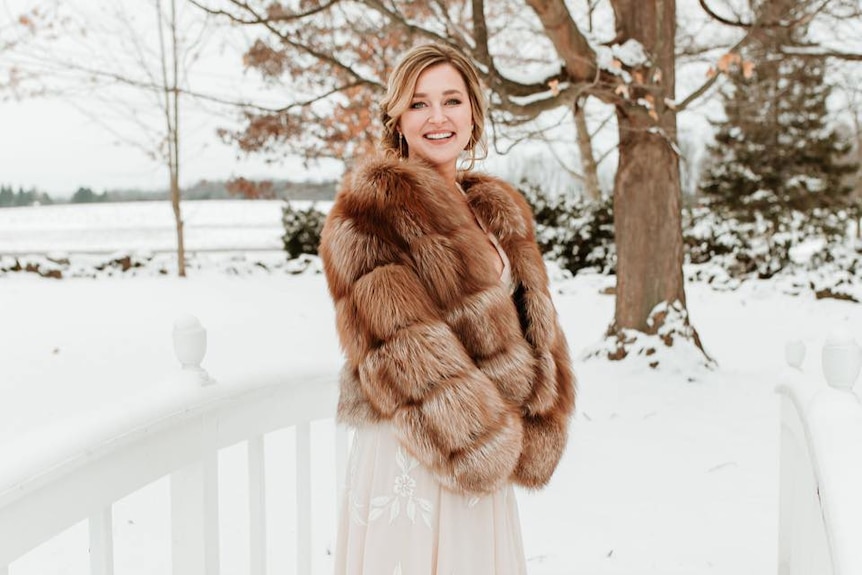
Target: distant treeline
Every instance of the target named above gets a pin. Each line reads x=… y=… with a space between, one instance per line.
x=203 y=190
x=10 y=198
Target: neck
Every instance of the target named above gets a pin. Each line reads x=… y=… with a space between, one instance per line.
x=448 y=173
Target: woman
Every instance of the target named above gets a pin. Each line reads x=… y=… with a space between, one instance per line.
x=457 y=378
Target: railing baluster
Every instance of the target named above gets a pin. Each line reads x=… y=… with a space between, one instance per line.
x=194 y=517
x=257 y=504
x=176 y=438
x=102 y=543
x=303 y=498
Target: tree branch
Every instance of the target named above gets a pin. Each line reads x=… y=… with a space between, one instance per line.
x=410 y=27
x=303 y=48
x=215 y=12
x=154 y=86
x=697 y=93
x=765 y=23
x=453 y=28
x=718 y=18
x=280 y=16
x=847 y=56
x=578 y=57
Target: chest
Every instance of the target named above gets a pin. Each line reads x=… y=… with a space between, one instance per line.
x=458 y=261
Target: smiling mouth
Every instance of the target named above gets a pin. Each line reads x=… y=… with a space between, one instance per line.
x=440 y=136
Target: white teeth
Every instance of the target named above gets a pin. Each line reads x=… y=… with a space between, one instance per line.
x=440 y=136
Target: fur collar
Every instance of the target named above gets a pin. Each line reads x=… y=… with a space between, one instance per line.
x=412 y=190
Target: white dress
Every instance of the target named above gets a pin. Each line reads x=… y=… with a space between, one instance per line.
x=396 y=519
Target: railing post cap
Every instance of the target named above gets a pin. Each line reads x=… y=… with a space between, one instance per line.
x=190 y=345
x=841 y=359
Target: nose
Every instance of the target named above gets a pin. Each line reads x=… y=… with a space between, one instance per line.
x=437 y=115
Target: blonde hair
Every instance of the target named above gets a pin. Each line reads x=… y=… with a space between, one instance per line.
x=402 y=85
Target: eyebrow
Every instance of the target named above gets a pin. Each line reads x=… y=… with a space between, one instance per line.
x=446 y=93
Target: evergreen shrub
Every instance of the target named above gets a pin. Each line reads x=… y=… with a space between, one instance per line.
x=301 y=230
x=760 y=248
x=742 y=248
x=575 y=233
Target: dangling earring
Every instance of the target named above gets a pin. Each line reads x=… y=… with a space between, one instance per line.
x=400 y=144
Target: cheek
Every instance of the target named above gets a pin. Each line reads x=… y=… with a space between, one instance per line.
x=466 y=121
x=409 y=127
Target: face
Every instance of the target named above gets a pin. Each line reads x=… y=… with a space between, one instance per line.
x=438 y=123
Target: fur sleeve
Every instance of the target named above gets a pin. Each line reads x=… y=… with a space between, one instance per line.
x=412 y=368
x=548 y=409
x=546 y=430
x=550 y=403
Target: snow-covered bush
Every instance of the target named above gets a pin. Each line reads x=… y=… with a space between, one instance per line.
x=810 y=252
x=742 y=249
x=301 y=230
x=574 y=233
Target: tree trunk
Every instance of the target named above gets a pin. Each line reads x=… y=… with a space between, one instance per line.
x=588 y=159
x=178 y=217
x=175 y=160
x=172 y=114
x=647 y=192
x=647 y=222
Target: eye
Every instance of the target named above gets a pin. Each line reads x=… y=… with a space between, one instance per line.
x=453 y=102
x=417 y=105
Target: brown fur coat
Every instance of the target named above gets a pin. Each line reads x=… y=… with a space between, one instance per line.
x=476 y=382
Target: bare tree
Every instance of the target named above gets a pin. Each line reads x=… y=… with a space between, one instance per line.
x=169 y=53
x=129 y=70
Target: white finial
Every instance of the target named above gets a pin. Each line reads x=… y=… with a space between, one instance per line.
x=794 y=353
x=190 y=344
x=841 y=359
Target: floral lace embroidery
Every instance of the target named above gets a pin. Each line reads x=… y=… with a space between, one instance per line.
x=403 y=488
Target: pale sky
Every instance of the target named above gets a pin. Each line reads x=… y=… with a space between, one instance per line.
x=87 y=137
x=56 y=148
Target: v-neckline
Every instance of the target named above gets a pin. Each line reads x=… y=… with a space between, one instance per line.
x=492 y=239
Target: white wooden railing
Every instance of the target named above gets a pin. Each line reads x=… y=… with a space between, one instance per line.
x=176 y=430
x=820 y=509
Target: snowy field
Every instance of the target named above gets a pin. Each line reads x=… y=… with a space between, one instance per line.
x=226 y=224
x=668 y=471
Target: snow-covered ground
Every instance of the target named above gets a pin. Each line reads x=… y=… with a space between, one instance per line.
x=141 y=225
x=668 y=471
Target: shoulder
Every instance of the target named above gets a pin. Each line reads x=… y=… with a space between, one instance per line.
x=499 y=204
x=382 y=208
x=404 y=198
x=385 y=186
